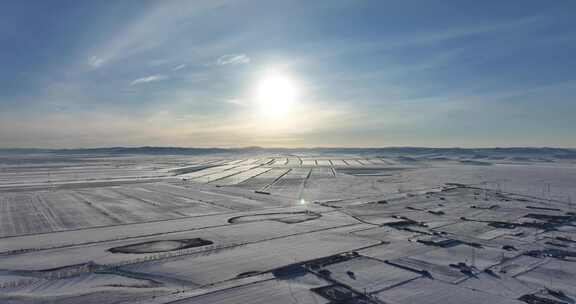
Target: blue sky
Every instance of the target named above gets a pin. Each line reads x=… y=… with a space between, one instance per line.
x=368 y=73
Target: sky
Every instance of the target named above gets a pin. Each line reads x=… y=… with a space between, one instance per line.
x=271 y=73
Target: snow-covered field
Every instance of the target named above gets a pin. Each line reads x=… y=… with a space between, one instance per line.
x=298 y=228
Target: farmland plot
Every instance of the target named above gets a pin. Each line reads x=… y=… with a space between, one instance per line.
x=23 y=213
x=338 y=162
x=293 y=162
x=264 y=180
x=261 y=256
x=290 y=183
x=308 y=163
x=280 y=291
x=321 y=173
x=242 y=176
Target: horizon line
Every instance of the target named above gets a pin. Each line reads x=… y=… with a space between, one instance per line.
x=287 y=148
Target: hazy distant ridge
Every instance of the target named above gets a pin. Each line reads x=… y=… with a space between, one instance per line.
x=560 y=153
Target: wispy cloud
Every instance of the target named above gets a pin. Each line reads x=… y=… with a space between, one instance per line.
x=153 y=28
x=233 y=59
x=151 y=78
x=95 y=61
x=179 y=67
x=425 y=37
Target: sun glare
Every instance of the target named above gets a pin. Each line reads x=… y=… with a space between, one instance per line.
x=276 y=95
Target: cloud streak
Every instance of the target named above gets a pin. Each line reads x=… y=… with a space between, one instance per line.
x=179 y=67
x=147 y=79
x=233 y=59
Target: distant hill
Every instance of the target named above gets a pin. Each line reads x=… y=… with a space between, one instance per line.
x=414 y=153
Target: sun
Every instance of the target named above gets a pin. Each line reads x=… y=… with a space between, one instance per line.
x=276 y=94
